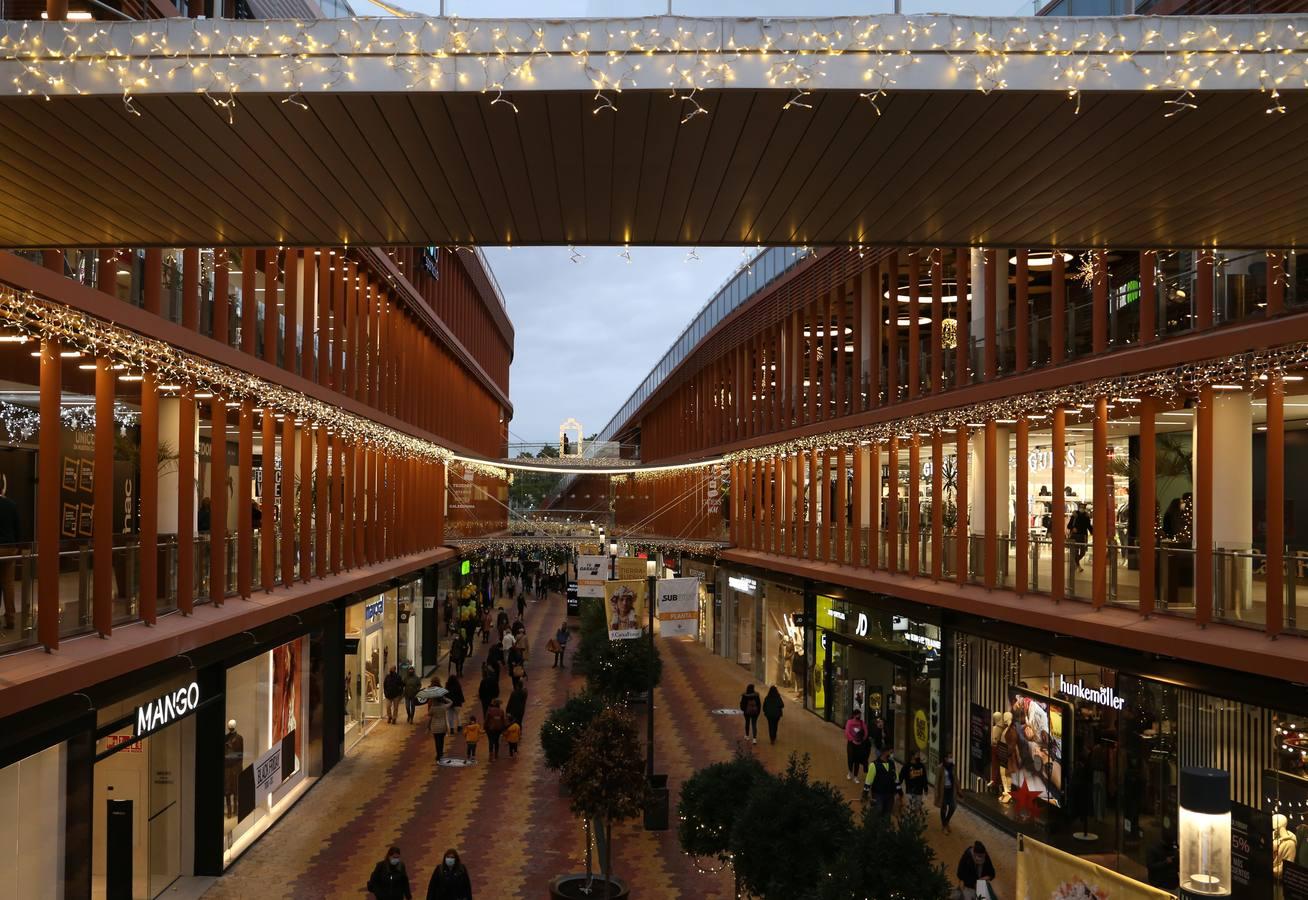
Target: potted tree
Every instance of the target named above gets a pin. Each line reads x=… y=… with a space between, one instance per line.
x=710 y=801
x=562 y=727
x=605 y=776
x=887 y=857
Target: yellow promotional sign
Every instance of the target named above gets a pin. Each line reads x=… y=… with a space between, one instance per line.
x=589 y=549
x=1044 y=873
x=921 y=733
x=624 y=604
x=629 y=567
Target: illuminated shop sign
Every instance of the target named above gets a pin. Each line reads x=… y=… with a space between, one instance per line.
x=167 y=709
x=1100 y=696
x=374 y=610
x=742 y=584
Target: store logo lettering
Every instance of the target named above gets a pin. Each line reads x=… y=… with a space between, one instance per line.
x=1103 y=696
x=373 y=610
x=167 y=709
x=860 y=628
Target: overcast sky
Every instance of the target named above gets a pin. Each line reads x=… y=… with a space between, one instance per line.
x=589 y=332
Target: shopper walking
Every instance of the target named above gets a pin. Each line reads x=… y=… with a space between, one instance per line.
x=440 y=720
x=390 y=880
x=458 y=653
x=855 y=735
x=516 y=708
x=975 y=866
x=455 y=687
x=450 y=881
x=559 y=644
x=522 y=603
x=1079 y=529
x=946 y=795
x=412 y=684
x=495 y=725
x=882 y=783
x=489 y=688
x=512 y=735
x=772 y=707
x=913 y=781
x=751 y=705
x=393 y=691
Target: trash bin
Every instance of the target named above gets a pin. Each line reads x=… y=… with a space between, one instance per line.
x=656 y=808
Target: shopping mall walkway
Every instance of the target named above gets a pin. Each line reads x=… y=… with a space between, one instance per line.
x=507 y=818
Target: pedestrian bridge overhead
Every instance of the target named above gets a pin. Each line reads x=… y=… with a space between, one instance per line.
x=922 y=130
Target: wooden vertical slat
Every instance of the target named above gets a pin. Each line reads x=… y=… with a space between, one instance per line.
x=874 y=506
x=1148 y=296
x=309 y=312
x=271 y=342
x=1058 y=516
x=245 y=500
x=892 y=491
x=1058 y=308
x=914 y=504
x=149 y=531
x=102 y=551
x=1022 y=508
x=937 y=503
x=268 y=500
x=217 y=500
x=891 y=320
x=287 y=520
x=1102 y=505
x=221 y=297
x=841 y=357
x=249 y=301
x=991 y=312
x=874 y=365
x=325 y=293
x=349 y=505
x=937 y=319
x=990 y=486
x=1275 y=487
x=961 y=529
x=962 y=315
x=305 y=437
x=842 y=504
x=290 y=309
x=1203 y=508
x=1145 y=517
x=1022 y=329
x=856 y=508
x=49 y=459
x=321 y=526
x=855 y=292
x=186 y=501
x=814 y=492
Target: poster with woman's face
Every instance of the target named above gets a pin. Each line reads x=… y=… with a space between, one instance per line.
x=286 y=693
x=625 y=605
x=1038 y=724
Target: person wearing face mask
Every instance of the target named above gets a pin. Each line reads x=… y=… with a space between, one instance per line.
x=450 y=881
x=390 y=880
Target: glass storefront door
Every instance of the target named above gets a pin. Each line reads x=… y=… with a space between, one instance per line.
x=367 y=659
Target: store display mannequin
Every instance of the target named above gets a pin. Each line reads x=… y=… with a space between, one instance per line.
x=1010 y=758
x=233 y=762
x=1284 y=844
x=996 y=747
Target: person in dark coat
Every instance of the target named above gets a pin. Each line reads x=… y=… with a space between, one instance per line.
x=751 y=704
x=495 y=659
x=412 y=684
x=489 y=689
x=516 y=708
x=883 y=782
x=390 y=880
x=458 y=653
x=450 y=881
x=772 y=707
x=393 y=691
x=974 y=866
x=455 y=687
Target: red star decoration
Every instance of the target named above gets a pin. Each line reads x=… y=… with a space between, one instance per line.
x=1024 y=801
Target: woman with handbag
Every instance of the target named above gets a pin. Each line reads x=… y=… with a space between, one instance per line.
x=438 y=720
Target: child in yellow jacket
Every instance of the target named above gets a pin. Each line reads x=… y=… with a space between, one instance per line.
x=472 y=734
x=513 y=734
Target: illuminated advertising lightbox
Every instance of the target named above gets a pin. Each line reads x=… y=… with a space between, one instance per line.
x=1037 y=744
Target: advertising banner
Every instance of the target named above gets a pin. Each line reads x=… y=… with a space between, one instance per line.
x=1044 y=873
x=978 y=741
x=267 y=773
x=630 y=568
x=1294 y=881
x=624 y=602
x=592 y=572
x=678 y=608
x=1041 y=727
x=1251 y=852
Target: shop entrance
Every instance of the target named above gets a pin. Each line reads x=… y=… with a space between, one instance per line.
x=139 y=799
x=367 y=659
x=882 y=688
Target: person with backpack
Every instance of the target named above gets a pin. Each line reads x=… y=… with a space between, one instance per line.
x=393 y=691
x=855 y=737
x=390 y=880
x=496 y=722
x=883 y=782
x=772 y=707
x=751 y=705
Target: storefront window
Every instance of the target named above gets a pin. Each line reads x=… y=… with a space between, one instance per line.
x=783 y=640
x=264 y=741
x=367 y=659
x=32 y=825
x=409 y=614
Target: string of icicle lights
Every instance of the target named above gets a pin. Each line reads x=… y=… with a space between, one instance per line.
x=1247 y=372
x=1177 y=56
x=26 y=314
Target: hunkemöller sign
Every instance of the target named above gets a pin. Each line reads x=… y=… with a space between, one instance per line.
x=1103 y=696
x=167 y=709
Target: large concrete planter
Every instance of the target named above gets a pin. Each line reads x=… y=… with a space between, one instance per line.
x=569 y=887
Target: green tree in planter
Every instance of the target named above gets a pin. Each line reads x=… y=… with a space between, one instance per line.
x=709 y=803
x=790 y=834
x=564 y=724
x=887 y=858
x=605 y=776
x=614 y=669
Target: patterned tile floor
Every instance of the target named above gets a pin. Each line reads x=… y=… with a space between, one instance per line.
x=507 y=818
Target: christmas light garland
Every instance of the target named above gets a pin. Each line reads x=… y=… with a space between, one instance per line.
x=36 y=318
x=679 y=54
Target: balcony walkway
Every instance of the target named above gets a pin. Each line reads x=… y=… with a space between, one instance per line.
x=507 y=819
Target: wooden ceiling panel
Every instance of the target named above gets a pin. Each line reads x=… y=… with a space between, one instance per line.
x=934 y=168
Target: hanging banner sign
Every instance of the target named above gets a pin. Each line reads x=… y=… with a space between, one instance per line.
x=624 y=604
x=1043 y=871
x=678 y=607
x=267 y=773
x=631 y=567
x=592 y=572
